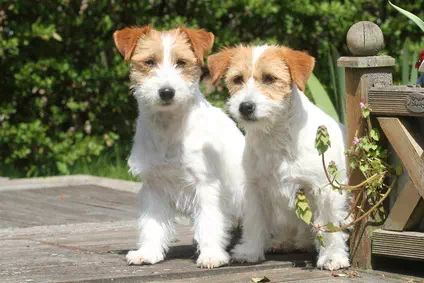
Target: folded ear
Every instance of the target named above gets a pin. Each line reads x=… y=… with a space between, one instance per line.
x=300 y=65
x=126 y=39
x=201 y=41
x=218 y=64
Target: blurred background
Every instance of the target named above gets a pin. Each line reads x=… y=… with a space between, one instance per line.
x=65 y=106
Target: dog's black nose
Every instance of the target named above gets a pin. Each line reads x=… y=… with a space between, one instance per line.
x=166 y=93
x=246 y=108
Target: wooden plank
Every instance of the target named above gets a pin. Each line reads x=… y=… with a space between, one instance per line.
x=358 y=81
x=96 y=251
x=403 y=208
x=398 y=244
x=52 y=206
x=366 y=62
x=407 y=148
x=391 y=101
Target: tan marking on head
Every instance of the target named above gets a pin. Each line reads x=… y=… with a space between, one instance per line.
x=126 y=39
x=239 y=58
x=272 y=75
x=300 y=64
x=201 y=41
x=274 y=72
x=148 y=48
x=141 y=49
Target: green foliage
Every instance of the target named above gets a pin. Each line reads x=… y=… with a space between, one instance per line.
x=411 y=16
x=64 y=95
x=322 y=140
x=332 y=104
x=302 y=208
x=370 y=158
x=321 y=97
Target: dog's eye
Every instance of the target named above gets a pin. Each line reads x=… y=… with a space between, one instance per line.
x=181 y=63
x=238 y=80
x=268 y=79
x=150 y=62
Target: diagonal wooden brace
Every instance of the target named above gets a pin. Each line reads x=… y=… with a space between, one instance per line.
x=410 y=152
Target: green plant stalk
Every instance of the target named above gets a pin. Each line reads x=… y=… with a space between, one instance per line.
x=414 y=71
x=405 y=63
x=349 y=187
x=366 y=213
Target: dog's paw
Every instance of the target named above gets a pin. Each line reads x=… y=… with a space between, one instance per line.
x=245 y=253
x=212 y=259
x=144 y=256
x=333 y=261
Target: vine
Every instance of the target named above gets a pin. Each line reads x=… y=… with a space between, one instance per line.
x=365 y=155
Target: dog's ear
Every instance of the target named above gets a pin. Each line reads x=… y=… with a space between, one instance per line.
x=300 y=65
x=126 y=39
x=218 y=64
x=201 y=41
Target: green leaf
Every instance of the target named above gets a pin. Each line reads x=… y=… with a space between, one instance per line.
x=375 y=134
x=399 y=169
x=303 y=205
x=332 y=227
x=365 y=112
x=364 y=168
x=57 y=36
x=301 y=196
x=411 y=16
x=321 y=97
x=307 y=216
x=62 y=167
x=320 y=240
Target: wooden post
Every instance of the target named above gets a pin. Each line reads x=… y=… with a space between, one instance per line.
x=363 y=71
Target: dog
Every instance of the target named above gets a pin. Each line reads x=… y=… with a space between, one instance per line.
x=266 y=85
x=187 y=152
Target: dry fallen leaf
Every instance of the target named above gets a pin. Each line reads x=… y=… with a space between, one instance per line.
x=334 y=274
x=260 y=279
x=62 y=197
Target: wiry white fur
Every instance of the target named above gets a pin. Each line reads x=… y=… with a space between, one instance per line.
x=189 y=157
x=279 y=159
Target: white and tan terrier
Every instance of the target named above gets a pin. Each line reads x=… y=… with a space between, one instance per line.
x=266 y=85
x=187 y=152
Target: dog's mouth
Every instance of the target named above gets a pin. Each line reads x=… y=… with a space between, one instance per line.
x=166 y=103
x=250 y=118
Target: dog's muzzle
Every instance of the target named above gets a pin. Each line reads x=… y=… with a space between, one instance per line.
x=247 y=108
x=166 y=93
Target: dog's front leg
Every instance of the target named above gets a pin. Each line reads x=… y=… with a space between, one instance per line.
x=255 y=234
x=331 y=206
x=156 y=227
x=211 y=227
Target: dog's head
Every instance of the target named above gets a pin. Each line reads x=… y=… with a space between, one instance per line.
x=260 y=80
x=165 y=65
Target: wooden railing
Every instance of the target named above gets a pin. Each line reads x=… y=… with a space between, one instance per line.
x=395 y=109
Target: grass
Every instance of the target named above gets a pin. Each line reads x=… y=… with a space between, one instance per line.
x=111 y=164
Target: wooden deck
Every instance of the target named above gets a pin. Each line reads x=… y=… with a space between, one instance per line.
x=79 y=230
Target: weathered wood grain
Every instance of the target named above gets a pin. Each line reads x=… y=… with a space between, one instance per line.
x=391 y=101
x=23 y=208
x=362 y=73
x=398 y=244
x=403 y=208
x=402 y=137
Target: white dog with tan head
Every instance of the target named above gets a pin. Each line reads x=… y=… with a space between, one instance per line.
x=187 y=152
x=266 y=85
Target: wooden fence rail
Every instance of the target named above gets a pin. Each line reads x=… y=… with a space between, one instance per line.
x=397 y=110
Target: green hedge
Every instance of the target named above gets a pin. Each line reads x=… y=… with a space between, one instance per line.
x=63 y=86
